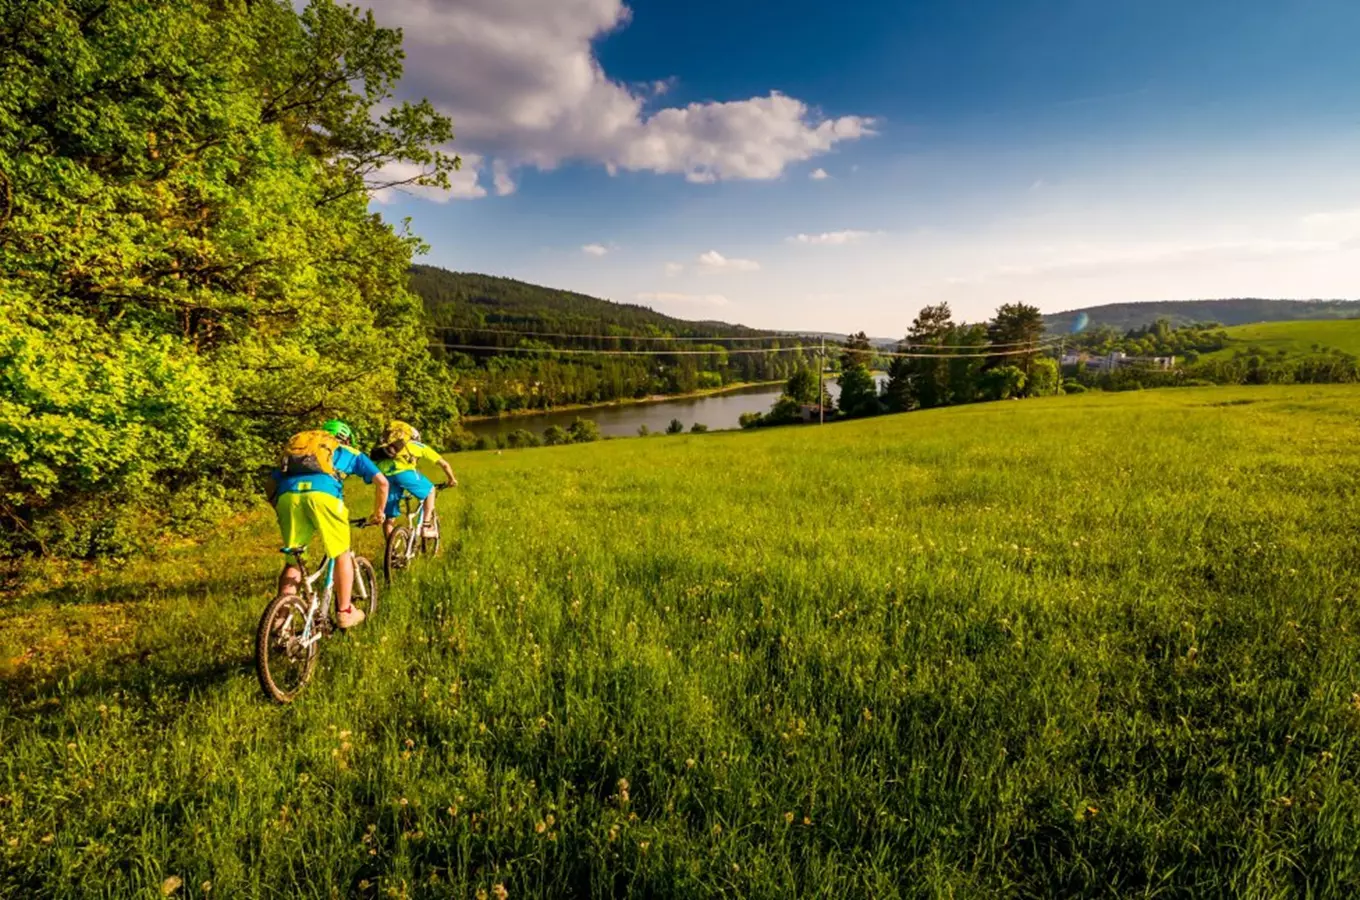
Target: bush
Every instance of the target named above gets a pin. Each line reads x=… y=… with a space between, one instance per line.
x=485 y=442
x=643 y=430
x=457 y=439
x=698 y=428
x=750 y=420
x=522 y=437
x=1073 y=387
x=676 y=427
x=555 y=436
x=583 y=431
x=1003 y=382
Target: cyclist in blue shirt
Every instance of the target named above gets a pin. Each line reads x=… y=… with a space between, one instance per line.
x=314 y=503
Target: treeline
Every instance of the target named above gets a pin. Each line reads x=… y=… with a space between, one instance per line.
x=938 y=363
x=535 y=339
x=1161 y=338
x=188 y=265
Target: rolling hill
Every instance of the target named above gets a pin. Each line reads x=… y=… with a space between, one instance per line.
x=1295 y=337
x=1240 y=311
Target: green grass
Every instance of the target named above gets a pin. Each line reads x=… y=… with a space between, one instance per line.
x=1295 y=337
x=1097 y=645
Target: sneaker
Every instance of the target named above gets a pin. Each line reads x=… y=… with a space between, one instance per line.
x=430 y=531
x=350 y=617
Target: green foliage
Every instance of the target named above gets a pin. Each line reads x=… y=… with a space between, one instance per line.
x=1003 y=382
x=1014 y=328
x=756 y=666
x=1073 y=387
x=521 y=438
x=803 y=386
x=555 y=436
x=189 y=268
x=1044 y=378
x=643 y=430
x=859 y=392
x=675 y=427
x=583 y=431
x=698 y=428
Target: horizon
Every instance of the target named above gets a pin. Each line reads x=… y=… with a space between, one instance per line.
x=837 y=170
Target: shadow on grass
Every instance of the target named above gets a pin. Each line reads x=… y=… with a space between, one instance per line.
x=134 y=677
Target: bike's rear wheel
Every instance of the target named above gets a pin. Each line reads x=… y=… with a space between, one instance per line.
x=365 y=594
x=395 y=557
x=283 y=664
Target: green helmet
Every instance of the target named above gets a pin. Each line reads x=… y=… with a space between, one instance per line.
x=339 y=429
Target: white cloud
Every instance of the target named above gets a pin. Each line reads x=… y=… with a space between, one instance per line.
x=673 y=269
x=463 y=184
x=691 y=299
x=714 y=262
x=527 y=89
x=819 y=175
x=1340 y=225
x=595 y=249
x=505 y=184
x=832 y=238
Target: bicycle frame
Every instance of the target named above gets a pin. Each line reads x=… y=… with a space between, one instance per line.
x=315 y=600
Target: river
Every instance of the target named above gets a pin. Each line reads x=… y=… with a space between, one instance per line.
x=717 y=411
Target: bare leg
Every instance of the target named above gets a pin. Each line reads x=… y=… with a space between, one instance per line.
x=344 y=581
x=290 y=580
x=429 y=508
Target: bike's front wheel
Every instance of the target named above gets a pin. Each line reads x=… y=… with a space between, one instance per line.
x=365 y=594
x=398 y=550
x=283 y=660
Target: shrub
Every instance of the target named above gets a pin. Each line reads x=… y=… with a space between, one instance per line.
x=522 y=437
x=676 y=427
x=555 y=436
x=698 y=428
x=1073 y=387
x=583 y=431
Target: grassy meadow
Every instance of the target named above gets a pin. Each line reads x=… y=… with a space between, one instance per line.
x=1294 y=338
x=1100 y=645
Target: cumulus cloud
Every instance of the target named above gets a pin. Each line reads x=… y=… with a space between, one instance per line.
x=819 y=175
x=673 y=269
x=714 y=262
x=505 y=184
x=832 y=238
x=523 y=86
x=463 y=184
x=691 y=299
x=595 y=249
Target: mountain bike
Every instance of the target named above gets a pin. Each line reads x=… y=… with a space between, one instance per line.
x=289 y=637
x=411 y=537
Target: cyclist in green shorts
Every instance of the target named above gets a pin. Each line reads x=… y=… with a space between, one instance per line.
x=308 y=495
x=397 y=456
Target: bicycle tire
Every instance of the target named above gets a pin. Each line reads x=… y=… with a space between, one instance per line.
x=394 y=557
x=365 y=593
x=284 y=611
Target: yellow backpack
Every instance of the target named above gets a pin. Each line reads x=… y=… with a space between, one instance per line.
x=393 y=443
x=310 y=452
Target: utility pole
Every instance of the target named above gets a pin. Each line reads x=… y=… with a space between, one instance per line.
x=821 y=381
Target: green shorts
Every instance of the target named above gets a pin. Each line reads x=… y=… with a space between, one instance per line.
x=303 y=515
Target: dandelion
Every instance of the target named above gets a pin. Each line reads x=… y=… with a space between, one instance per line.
x=170 y=885
x=868 y=716
x=717 y=828
x=689 y=763
x=499 y=892
x=540 y=827
x=409 y=743
x=403 y=802
x=807 y=820
x=623 y=791
x=206 y=887
x=788 y=818
x=644 y=845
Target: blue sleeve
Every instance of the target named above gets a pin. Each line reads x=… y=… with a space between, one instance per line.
x=361 y=465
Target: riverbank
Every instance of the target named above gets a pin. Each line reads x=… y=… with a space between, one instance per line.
x=627 y=401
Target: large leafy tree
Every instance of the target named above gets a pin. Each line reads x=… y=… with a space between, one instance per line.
x=916 y=380
x=1016 y=330
x=187 y=259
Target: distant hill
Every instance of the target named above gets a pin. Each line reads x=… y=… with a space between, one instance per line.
x=466 y=303
x=1242 y=311
x=1294 y=337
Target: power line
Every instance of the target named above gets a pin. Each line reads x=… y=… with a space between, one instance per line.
x=1031 y=349
x=614 y=337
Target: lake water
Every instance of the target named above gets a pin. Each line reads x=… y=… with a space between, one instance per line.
x=717 y=411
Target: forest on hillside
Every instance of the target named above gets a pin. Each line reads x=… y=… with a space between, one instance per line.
x=517 y=346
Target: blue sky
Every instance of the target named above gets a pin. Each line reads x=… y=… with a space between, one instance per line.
x=837 y=166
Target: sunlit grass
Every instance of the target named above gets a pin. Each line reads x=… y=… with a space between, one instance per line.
x=1295 y=337
x=1086 y=645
